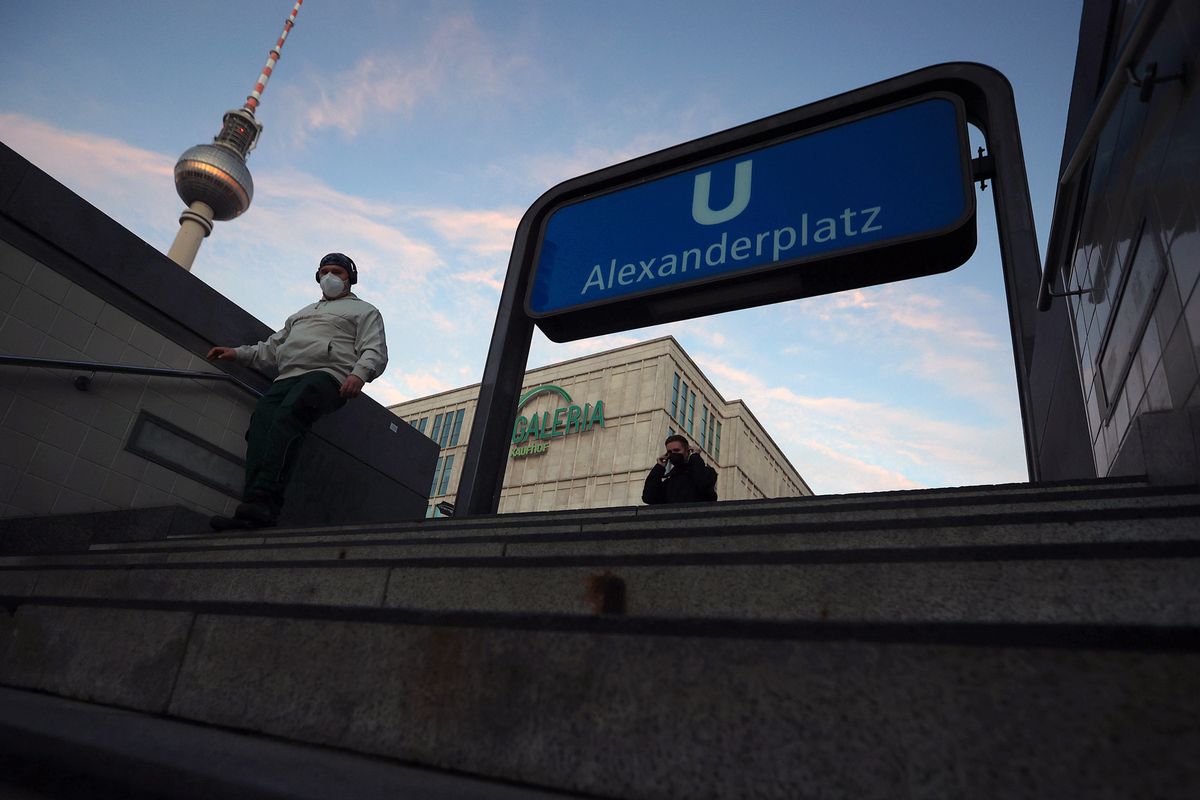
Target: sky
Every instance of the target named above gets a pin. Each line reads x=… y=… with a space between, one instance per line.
x=414 y=135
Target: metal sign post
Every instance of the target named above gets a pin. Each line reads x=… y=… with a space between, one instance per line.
x=863 y=188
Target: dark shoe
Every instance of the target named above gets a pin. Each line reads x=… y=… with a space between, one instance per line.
x=256 y=513
x=220 y=523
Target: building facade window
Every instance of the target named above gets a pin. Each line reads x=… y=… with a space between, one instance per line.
x=682 y=416
x=458 y=418
x=717 y=443
x=447 y=468
x=703 y=426
x=441 y=475
x=712 y=419
x=691 y=413
x=437 y=476
x=675 y=395
x=437 y=427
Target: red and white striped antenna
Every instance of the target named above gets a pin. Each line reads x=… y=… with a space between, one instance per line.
x=254 y=97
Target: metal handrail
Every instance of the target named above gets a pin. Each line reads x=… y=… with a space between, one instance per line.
x=82 y=381
x=1118 y=82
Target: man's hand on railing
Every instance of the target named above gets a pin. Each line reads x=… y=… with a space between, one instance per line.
x=222 y=353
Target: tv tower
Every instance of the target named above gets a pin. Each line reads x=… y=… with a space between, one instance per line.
x=212 y=178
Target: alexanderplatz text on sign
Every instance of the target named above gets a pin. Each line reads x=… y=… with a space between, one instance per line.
x=864 y=188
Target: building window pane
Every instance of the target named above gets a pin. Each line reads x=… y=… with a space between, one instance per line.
x=421 y=424
x=717 y=446
x=675 y=396
x=437 y=474
x=691 y=411
x=703 y=426
x=712 y=418
x=447 y=468
x=457 y=426
x=437 y=427
x=1136 y=300
x=682 y=416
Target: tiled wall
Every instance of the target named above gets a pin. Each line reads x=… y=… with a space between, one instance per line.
x=63 y=450
x=1137 y=329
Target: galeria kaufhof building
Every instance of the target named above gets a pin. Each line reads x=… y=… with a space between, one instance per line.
x=588 y=430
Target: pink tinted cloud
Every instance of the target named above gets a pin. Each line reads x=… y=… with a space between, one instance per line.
x=487 y=232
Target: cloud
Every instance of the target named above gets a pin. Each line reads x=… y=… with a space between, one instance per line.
x=856 y=474
x=458 y=54
x=123 y=180
x=550 y=169
x=843 y=443
x=487 y=232
x=491 y=278
x=389 y=390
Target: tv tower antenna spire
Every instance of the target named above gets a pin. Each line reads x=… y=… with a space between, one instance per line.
x=213 y=178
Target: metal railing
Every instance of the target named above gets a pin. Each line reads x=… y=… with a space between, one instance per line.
x=82 y=382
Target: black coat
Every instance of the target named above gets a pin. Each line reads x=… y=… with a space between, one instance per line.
x=694 y=482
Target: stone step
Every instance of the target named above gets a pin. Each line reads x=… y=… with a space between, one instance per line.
x=1122 y=580
x=635 y=707
x=807 y=513
x=1087 y=526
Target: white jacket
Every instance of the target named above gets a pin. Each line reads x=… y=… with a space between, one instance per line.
x=341 y=337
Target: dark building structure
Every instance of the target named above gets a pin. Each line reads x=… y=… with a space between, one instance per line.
x=1124 y=249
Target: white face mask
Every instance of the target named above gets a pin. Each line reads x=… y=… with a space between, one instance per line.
x=331 y=285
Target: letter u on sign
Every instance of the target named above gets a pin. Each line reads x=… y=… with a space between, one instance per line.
x=703 y=213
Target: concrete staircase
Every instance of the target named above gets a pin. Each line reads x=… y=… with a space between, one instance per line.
x=1002 y=641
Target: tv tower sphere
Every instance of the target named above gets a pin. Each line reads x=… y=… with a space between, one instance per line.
x=216 y=174
x=213 y=178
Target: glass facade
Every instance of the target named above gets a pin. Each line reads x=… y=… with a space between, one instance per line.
x=1134 y=244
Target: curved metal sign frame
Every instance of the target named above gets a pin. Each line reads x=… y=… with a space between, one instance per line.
x=985 y=95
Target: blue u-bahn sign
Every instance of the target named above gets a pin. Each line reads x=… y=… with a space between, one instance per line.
x=878 y=197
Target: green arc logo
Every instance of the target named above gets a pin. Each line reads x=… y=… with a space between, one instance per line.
x=558 y=390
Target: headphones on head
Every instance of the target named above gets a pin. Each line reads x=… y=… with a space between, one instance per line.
x=341 y=260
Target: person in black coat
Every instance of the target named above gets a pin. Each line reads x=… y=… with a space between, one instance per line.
x=680 y=476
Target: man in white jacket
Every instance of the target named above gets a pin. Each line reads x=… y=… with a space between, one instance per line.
x=324 y=354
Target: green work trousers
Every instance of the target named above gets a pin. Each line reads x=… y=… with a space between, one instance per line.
x=278 y=426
